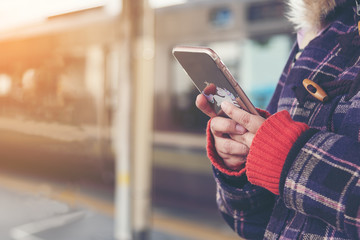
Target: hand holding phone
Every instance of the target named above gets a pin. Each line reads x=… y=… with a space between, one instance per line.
x=212 y=78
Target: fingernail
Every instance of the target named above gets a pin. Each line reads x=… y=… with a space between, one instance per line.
x=240 y=129
x=225 y=104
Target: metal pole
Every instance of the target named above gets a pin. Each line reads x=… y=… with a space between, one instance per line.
x=123 y=228
x=143 y=115
x=133 y=122
x=122 y=117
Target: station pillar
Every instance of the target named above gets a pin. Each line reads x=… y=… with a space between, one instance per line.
x=134 y=121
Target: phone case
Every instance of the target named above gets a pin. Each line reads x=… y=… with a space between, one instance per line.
x=212 y=78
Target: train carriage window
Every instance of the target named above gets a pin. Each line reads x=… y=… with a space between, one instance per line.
x=5 y=84
x=221 y=17
x=265 y=11
x=263 y=61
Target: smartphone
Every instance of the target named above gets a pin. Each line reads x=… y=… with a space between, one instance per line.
x=212 y=78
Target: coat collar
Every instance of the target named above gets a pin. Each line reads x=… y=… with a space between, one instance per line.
x=313 y=15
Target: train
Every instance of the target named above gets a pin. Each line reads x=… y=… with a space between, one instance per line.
x=58 y=92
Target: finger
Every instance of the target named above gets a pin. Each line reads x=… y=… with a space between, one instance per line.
x=250 y=121
x=230 y=146
x=234 y=162
x=210 y=89
x=204 y=106
x=245 y=138
x=221 y=125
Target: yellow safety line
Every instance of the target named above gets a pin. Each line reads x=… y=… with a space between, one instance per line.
x=190 y=229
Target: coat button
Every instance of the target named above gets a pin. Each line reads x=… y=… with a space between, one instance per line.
x=315 y=90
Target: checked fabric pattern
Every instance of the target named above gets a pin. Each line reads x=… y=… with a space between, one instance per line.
x=320 y=181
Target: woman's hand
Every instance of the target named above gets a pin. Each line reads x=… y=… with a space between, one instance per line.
x=233 y=136
x=229 y=140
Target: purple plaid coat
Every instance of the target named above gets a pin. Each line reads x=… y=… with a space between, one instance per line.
x=320 y=182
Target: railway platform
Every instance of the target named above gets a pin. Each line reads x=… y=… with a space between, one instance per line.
x=34 y=210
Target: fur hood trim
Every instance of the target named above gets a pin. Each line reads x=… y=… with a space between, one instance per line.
x=311 y=14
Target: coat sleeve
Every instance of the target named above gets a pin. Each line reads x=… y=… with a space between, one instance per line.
x=245 y=207
x=321 y=175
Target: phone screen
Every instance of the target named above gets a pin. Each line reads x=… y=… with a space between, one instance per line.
x=209 y=78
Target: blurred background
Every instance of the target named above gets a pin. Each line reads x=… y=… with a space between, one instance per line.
x=99 y=135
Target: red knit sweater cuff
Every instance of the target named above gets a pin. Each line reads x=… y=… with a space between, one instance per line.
x=269 y=150
x=214 y=157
